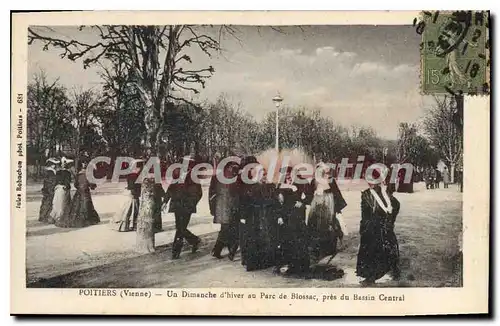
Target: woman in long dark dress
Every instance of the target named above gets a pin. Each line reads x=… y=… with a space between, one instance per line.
x=261 y=201
x=293 y=234
x=48 y=189
x=379 y=251
x=223 y=202
x=62 y=196
x=325 y=223
x=82 y=212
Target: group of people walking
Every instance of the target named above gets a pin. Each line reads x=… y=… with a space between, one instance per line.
x=266 y=221
x=182 y=197
x=433 y=177
x=58 y=207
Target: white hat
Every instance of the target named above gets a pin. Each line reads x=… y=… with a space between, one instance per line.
x=323 y=166
x=65 y=160
x=52 y=160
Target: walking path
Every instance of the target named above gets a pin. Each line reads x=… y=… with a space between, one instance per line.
x=52 y=251
x=428 y=232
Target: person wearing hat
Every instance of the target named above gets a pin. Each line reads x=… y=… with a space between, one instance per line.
x=223 y=202
x=62 y=197
x=183 y=197
x=378 y=251
x=126 y=218
x=82 y=212
x=49 y=185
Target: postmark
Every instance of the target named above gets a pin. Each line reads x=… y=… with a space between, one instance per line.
x=454 y=52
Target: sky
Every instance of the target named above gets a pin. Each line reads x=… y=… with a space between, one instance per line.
x=357 y=75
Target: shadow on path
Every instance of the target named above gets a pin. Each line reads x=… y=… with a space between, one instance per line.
x=139 y=272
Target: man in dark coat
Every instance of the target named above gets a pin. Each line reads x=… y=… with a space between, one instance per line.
x=429 y=178
x=438 y=179
x=49 y=185
x=224 y=203
x=245 y=206
x=184 y=197
x=432 y=172
x=159 y=194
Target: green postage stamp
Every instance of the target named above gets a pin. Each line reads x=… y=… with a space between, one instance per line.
x=454 y=52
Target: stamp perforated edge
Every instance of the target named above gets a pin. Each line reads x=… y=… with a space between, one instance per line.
x=487 y=74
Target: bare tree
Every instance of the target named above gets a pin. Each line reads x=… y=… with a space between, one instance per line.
x=124 y=121
x=159 y=66
x=48 y=124
x=407 y=137
x=444 y=133
x=84 y=113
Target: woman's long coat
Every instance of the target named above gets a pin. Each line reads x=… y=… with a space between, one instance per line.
x=223 y=201
x=49 y=185
x=379 y=251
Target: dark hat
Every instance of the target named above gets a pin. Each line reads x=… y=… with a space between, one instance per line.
x=248 y=160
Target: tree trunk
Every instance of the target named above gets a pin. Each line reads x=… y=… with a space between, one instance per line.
x=452 y=173
x=145 y=241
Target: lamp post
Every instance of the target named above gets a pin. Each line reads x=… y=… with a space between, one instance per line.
x=384 y=153
x=277 y=101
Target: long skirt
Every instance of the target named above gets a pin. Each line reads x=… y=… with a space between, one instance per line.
x=321 y=214
x=293 y=242
x=378 y=252
x=125 y=218
x=46 y=208
x=82 y=212
x=260 y=247
x=60 y=204
x=324 y=227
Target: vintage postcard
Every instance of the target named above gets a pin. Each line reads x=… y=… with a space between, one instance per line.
x=250 y=163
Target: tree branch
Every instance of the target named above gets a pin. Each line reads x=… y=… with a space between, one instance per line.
x=181 y=99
